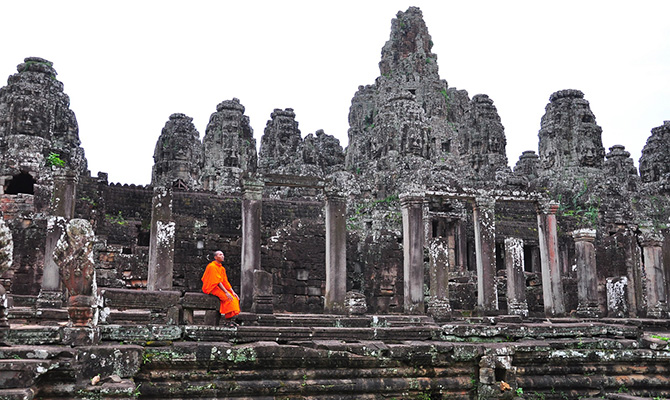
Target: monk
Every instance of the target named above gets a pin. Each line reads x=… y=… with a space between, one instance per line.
x=215 y=282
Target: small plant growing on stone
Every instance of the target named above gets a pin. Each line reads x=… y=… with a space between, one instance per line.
x=53 y=159
x=519 y=392
x=116 y=219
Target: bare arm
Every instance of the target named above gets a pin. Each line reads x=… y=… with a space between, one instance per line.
x=226 y=291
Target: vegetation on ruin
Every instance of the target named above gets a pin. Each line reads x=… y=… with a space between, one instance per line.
x=54 y=160
x=582 y=210
x=116 y=219
x=366 y=207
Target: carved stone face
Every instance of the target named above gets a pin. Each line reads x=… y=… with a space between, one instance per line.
x=646 y=172
x=549 y=159
x=30 y=121
x=588 y=157
x=414 y=142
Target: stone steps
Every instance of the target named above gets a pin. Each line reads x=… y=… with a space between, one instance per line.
x=20 y=374
x=17 y=394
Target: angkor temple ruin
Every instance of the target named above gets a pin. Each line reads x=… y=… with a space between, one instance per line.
x=415 y=263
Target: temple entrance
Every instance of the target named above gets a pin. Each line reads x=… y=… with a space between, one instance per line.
x=21 y=183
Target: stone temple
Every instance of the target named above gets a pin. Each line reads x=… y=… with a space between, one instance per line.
x=414 y=263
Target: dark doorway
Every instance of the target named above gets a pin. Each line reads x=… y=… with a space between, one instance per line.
x=21 y=183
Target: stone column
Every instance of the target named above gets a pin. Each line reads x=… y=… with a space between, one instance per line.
x=462 y=243
x=413 y=239
x=440 y=265
x=652 y=258
x=74 y=256
x=62 y=210
x=552 y=286
x=336 y=254
x=483 y=214
x=587 y=280
x=263 y=299
x=634 y=272
x=252 y=194
x=6 y=256
x=161 y=242
x=516 y=279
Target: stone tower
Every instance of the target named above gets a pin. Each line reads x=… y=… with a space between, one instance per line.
x=230 y=148
x=281 y=144
x=324 y=151
x=178 y=155
x=655 y=159
x=569 y=135
x=410 y=119
x=404 y=114
x=527 y=165
x=484 y=146
x=39 y=135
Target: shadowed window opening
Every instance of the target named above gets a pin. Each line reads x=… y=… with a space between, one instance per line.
x=143 y=236
x=528 y=258
x=21 y=183
x=501 y=374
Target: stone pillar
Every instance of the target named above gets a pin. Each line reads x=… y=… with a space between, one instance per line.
x=413 y=239
x=6 y=256
x=552 y=286
x=617 y=301
x=634 y=272
x=336 y=254
x=440 y=264
x=263 y=299
x=74 y=256
x=62 y=210
x=462 y=246
x=516 y=278
x=652 y=258
x=587 y=280
x=161 y=242
x=252 y=194
x=483 y=214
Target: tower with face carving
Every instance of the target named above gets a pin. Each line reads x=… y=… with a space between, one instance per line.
x=569 y=135
x=39 y=135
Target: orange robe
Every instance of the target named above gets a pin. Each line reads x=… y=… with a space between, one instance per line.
x=215 y=274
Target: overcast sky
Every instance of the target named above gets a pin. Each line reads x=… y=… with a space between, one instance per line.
x=128 y=65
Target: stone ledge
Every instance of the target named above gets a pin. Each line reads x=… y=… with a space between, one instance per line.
x=17 y=394
x=143 y=299
x=200 y=301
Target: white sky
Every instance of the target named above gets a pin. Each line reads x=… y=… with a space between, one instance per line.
x=128 y=65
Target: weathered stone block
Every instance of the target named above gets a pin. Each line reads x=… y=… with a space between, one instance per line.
x=108 y=360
